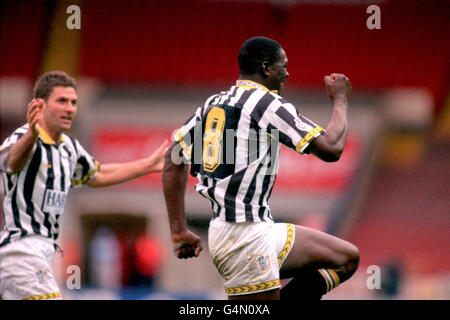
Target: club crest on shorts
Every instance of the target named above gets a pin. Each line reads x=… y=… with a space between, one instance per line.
x=41 y=275
x=262 y=262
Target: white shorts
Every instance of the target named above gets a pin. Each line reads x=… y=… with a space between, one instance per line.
x=249 y=255
x=25 y=270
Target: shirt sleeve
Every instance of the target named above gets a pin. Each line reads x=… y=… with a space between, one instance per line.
x=288 y=126
x=86 y=166
x=6 y=146
x=185 y=134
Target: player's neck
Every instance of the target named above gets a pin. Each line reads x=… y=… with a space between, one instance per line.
x=255 y=78
x=54 y=135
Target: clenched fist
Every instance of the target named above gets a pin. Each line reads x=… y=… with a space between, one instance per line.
x=186 y=245
x=338 y=86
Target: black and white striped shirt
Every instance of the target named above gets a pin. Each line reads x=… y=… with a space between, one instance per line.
x=232 y=143
x=35 y=196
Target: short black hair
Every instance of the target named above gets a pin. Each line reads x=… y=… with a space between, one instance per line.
x=255 y=51
x=43 y=87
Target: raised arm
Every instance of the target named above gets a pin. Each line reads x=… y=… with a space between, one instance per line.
x=330 y=145
x=116 y=173
x=20 y=152
x=174 y=177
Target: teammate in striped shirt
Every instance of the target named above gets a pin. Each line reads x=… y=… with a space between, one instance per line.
x=232 y=143
x=39 y=165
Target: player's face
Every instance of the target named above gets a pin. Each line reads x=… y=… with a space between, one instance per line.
x=279 y=72
x=60 y=109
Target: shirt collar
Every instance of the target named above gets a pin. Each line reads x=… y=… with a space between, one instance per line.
x=249 y=84
x=45 y=137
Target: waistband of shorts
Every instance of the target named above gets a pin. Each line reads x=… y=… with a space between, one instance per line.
x=41 y=238
x=33 y=237
x=218 y=218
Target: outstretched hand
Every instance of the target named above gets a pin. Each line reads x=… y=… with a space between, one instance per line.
x=338 y=86
x=186 y=245
x=34 y=115
x=156 y=159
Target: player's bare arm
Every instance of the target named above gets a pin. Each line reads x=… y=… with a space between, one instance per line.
x=330 y=145
x=20 y=152
x=114 y=173
x=187 y=244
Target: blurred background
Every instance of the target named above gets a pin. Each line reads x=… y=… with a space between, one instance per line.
x=143 y=67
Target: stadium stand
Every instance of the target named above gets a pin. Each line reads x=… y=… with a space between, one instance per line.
x=23 y=32
x=405 y=219
x=188 y=43
x=195 y=42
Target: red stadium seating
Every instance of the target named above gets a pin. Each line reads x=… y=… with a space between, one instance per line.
x=196 y=42
x=406 y=216
x=23 y=31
